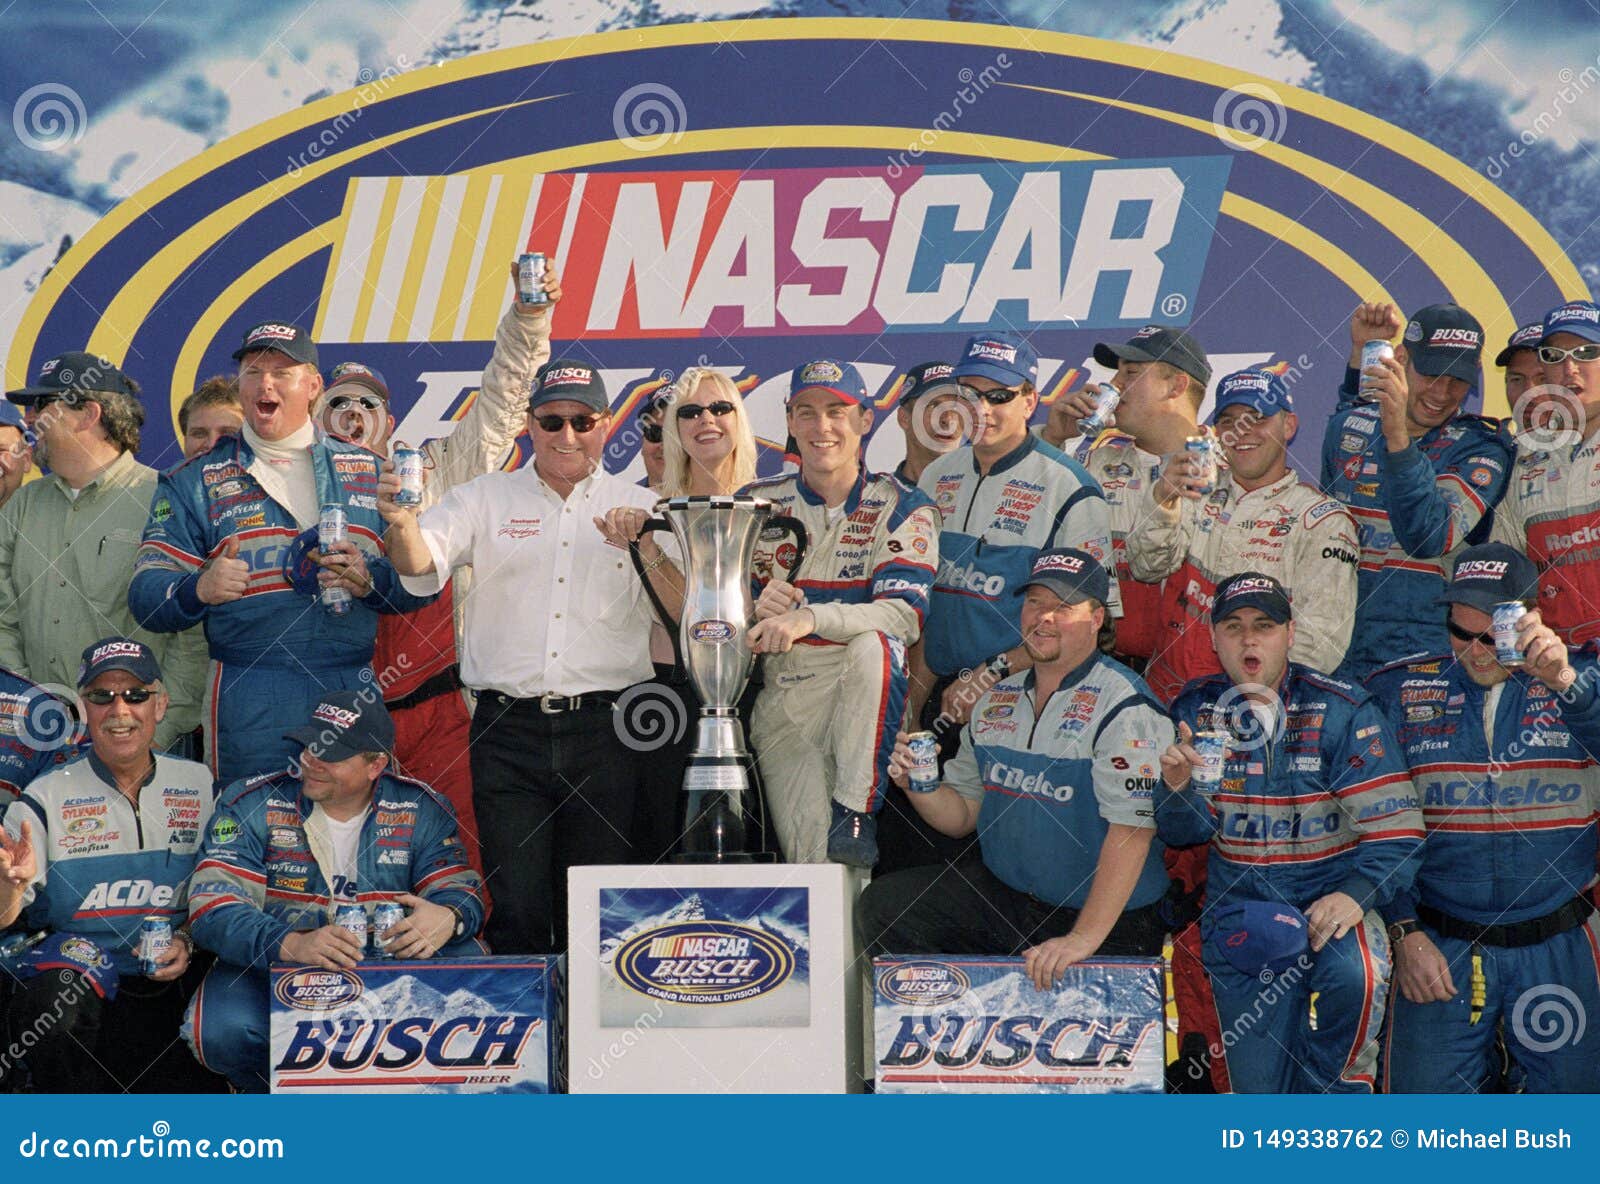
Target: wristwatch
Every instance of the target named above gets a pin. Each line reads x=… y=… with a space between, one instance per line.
x=999 y=665
x=460 y=929
x=1403 y=929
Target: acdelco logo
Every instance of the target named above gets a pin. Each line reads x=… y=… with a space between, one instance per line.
x=1008 y=777
x=1265 y=826
x=126 y=894
x=1534 y=793
x=959 y=575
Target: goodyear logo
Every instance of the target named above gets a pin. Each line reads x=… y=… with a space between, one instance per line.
x=704 y=962
x=923 y=984
x=711 y=632
x=319 y=990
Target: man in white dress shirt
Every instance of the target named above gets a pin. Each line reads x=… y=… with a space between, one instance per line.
x=557 y=626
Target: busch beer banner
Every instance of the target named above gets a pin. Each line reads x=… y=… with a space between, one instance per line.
x=978 y=1025
x=456 y=1026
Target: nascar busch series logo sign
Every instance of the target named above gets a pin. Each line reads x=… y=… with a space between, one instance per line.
x=463 y=1025
x=712 y=957
x=761 y=226
x=978 y=1025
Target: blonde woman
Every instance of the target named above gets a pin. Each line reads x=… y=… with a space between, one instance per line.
x=707 y=443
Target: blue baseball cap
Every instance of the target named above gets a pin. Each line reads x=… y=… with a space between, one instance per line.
x=925 y=378
x=359 y=374
x=1001 y=357
x=11 y=416
x=1491 y=574
x=1445 y=339
x=346 y=724
x=824 y=374
x=1257 y=935
x=1261 y=390
x=119 y=653
x=1073 y=575
x=1526 y=337
x=289 y=340
x=1251 y=589
x=1578 y=317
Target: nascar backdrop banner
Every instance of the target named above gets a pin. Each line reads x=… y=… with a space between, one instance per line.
x=705 y=207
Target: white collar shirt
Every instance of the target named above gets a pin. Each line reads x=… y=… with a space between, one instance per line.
x=553 y=608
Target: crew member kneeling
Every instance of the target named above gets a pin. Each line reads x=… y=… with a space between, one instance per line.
x=1055 y=773
x=95 y=847
x=1314 y=810
x=283 y=852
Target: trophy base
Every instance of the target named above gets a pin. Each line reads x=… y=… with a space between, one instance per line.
x=716 y=821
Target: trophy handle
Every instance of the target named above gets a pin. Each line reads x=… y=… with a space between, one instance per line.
x=667 y=623
x=801 y=539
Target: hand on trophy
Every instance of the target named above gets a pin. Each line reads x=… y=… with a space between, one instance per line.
x=777 y=635
x=622 y=525
x=777 y=598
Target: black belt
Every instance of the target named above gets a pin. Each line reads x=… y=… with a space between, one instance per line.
x=1515 y=935
x=559 y=704
x=443 y=683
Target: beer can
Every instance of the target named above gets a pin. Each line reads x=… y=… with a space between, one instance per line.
x=333 y=528
x=923 y=776
x=1372 y=353
x=155 y=939
x=1204 y=449
x=1105 y=405
x=384 y=918
x=354 y=918
x=1507 y=616
x=530 y=279
x=408 y=467
x=1213 y=749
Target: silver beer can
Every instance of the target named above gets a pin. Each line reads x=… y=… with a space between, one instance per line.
x=531 y=270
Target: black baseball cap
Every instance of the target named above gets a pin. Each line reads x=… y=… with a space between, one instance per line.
x=119 y=653
x=1491 y=574
x=568 y=378
x=1526 y=337
x=1445 y=339
x=1158 y=343
x=1073 y=575
x=346 y=724
x=75 y=370
x=925 y=378
x=1251 y=589
x=290 y=340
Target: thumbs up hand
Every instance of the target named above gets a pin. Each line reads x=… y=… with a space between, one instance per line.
x=226 y=577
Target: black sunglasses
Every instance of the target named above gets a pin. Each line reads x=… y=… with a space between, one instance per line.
x=101 y=697
x=996 y=398
x=1466 y=635
x=367 y=402
x=694 y=410
x=651 y=432
x=554 y=423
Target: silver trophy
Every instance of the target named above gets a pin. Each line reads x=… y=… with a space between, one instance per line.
x=717 y=538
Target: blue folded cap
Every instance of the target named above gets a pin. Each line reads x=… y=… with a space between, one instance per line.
x=1257 y=935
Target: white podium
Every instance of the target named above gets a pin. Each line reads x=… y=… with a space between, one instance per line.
x=698 y=979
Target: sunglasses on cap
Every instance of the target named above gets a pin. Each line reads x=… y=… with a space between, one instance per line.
x=1554 y=355
x=651 y=432
x=367 y=402
x=554 y=423
x=995 y=398
x=101 y=697
x=694 y=410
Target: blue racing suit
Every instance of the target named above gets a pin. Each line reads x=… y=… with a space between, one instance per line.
x=992 y=527
x=1412 y=508
x=1510 y=807
x=37 y=733
x=274 y=651
x=1320 y=804
x=257 y=881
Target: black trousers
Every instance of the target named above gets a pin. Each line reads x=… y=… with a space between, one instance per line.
x=551 y=792
x=967 y=909
x=904 y=839
x=74 y=1042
